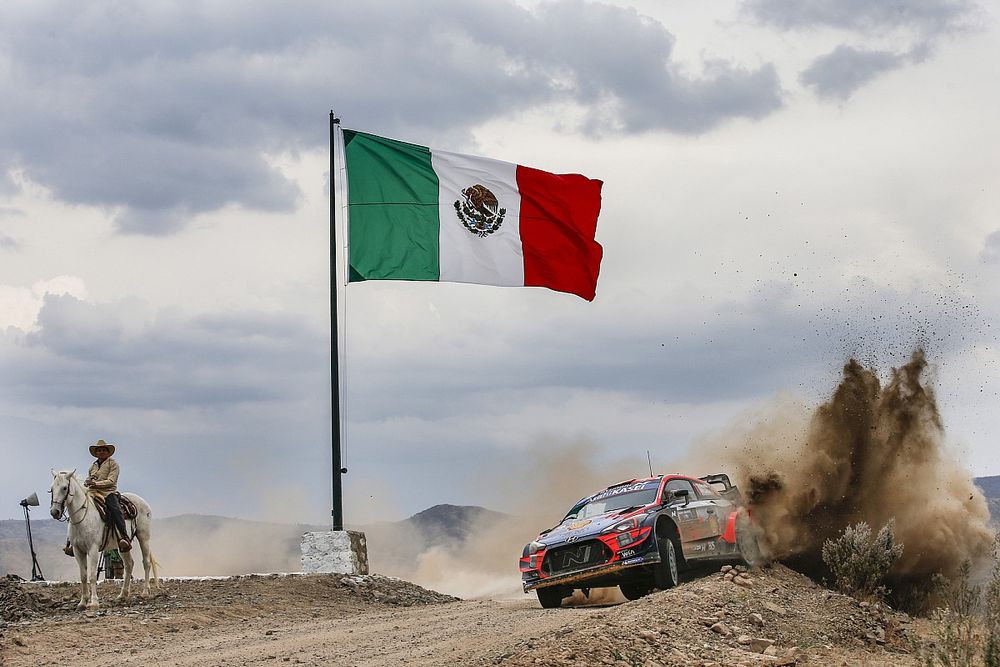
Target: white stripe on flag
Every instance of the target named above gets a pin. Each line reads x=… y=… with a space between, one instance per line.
x=465 y=257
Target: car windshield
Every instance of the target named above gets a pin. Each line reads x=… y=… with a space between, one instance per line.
x=601 y=504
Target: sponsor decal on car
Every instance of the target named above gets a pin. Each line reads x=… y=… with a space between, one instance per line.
x=626 y=553
x=629 y=488
x=579 y=524
x=637 y=559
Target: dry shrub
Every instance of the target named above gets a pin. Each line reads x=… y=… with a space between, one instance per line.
x=859 y=564
x=956 y=637
x=991 y=649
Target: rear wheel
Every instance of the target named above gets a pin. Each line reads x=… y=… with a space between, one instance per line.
x=746 y=541
x=551 y=597
x=635 y=590
x=665 y=574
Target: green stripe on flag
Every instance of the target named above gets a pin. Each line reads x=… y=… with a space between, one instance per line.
x=393 y=200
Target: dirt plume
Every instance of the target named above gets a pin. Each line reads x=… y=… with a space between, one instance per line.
x=870 y=453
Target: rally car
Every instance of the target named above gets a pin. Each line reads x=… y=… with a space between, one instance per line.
x=638 y=535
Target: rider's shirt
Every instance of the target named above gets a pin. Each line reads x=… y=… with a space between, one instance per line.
x=103 y=477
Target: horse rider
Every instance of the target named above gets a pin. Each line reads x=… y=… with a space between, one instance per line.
x=102 y=483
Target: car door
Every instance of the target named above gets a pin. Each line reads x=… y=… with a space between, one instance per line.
x=713 y=509
x=684 y=510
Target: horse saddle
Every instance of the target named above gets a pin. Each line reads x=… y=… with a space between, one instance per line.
x=129 y=510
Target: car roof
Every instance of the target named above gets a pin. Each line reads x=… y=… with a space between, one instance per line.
x=639 y=480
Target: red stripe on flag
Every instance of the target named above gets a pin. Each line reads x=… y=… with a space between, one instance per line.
x=558 y=222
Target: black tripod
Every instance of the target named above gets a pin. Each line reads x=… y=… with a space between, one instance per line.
x=36 y=569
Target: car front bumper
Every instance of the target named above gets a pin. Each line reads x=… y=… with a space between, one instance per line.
x=534 y=579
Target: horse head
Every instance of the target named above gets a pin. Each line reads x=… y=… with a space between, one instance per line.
x=60 y=491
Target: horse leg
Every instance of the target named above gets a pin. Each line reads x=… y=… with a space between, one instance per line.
x=127 y=575
x=147 y=564
x=93 y=556
x=81 y=560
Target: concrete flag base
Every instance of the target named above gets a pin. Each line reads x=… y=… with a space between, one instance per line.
x=340 y=551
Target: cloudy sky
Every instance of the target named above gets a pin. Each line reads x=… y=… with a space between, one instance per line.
x=787 y=183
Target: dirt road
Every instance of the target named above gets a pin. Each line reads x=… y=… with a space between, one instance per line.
x=767 y=617
x=295 y=620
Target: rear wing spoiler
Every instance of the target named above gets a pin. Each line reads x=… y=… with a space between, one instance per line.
x=721 y=483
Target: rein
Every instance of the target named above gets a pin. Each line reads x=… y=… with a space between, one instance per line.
x=63 y=517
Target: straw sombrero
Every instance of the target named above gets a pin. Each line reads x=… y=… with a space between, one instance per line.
x=101 y=443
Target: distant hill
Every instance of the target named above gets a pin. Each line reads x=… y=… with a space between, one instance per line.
x=193 y=544
x=990 y=487
x=453 y=522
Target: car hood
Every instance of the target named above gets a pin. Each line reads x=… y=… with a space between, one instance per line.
x=579 y=529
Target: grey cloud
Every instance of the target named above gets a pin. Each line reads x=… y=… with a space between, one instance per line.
x=8 y=243
x=991 y=248
x=927 y=16
x=839 y=73
x=87 y=355
x=836 y=75
x=163 y=112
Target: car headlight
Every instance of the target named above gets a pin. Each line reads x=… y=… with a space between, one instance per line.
x=626 y=525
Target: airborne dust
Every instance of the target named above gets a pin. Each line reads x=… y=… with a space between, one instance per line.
x=872 y=452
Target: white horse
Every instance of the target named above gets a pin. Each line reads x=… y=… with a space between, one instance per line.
x=89 y=538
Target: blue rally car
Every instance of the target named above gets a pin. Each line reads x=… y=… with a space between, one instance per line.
x=637 y=535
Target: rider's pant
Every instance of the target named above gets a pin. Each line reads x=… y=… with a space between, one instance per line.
x=115 y=508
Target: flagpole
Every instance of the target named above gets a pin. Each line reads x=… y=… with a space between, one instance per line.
x=338 y=470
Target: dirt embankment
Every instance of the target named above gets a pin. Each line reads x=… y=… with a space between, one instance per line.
x=772 y=616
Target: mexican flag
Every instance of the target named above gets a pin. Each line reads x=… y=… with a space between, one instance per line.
x=420 y=214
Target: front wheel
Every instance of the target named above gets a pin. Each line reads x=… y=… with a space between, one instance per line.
x=634 y=591
x=551 y=597
x=665 y=575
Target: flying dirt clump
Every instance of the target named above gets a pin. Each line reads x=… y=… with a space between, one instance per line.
x=871 y=453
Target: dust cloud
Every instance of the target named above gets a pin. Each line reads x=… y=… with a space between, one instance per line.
x=870 y=453
x=485 y=563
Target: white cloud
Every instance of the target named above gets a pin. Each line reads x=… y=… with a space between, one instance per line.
x=19 y=306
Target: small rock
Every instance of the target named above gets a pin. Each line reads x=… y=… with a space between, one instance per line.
x=759 y=644
x=743 y=581
x=721 y=629
x=757 y=619
x=743 y=639
x=771 y=651
x=728 y=576
x=726 y=568
x=770 y=606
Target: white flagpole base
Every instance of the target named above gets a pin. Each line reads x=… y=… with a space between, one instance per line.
x=340 y=551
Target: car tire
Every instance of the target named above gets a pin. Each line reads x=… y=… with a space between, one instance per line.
x=665 y=573
x=746 y=542
x=635 y=590
x=551 y=597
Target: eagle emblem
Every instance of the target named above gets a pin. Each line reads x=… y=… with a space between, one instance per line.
x=479 y=211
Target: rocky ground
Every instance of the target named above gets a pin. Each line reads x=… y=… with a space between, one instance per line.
x=772 y=616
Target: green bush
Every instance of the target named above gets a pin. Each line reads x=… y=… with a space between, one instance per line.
x=860 y=563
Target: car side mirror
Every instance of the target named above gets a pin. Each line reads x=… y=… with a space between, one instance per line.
x=679 y=493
